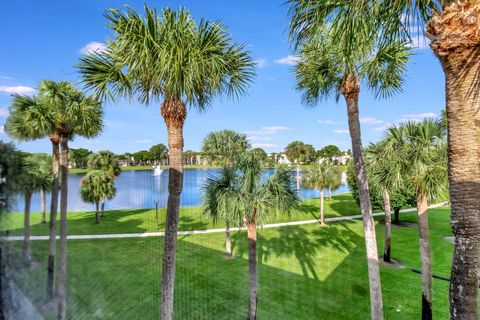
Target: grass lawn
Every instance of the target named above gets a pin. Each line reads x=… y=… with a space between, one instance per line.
x=143 y=220
x=305 y=272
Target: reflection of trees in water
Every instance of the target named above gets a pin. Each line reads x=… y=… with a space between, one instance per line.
x=304 y=245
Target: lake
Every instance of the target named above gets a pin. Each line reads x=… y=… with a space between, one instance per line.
x=139 y=189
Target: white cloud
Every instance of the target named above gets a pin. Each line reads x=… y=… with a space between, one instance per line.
x=370 y=120
x=329 y=122
x=6 y=78
x=93 y=47
x=274 y=129
x=382 y=128
x=264 y=145
x=17 y=89
x=2 y=129
x=419 y=115
x=261 y=63
x=288 y=60
x=143 y=141
x=341 y=131
x=4 y=112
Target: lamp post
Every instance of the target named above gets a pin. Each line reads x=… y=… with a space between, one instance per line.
x=156 y=213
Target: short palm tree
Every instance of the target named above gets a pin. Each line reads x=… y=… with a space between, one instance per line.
x=96 y=186
x=320 y=176
x=225 y=147
x=106 y=161
x=384 y=171
x=422 y=146
x=43 y=163
x=328 y=67
x=242 y=196
x=31 y=180
x=168 y=56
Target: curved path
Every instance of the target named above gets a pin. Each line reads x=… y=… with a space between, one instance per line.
x=192 y=232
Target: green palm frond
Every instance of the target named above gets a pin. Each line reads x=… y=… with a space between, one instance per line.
x=167 y=55
x=97 y=185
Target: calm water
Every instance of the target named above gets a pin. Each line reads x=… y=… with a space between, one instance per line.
x=139 y=190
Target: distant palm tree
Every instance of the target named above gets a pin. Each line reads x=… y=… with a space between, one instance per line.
x=43 y=163
x=320 y=177
x=168 y=56
x=31 y=180
x=105 y=161
x=96 y=186
x=329 y=66
x=225 y=147
x=423 y=149
x=241 y=195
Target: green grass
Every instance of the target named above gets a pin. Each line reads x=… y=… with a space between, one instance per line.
x=305 y=272
x=143 y=220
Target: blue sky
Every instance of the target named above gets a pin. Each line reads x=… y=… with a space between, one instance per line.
x=44 y=40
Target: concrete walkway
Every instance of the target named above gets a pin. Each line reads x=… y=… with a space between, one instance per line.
x=193 y=232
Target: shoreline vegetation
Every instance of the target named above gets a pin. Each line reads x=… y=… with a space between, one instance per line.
x=195 y=166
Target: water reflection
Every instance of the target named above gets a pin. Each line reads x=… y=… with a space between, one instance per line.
x=139 y=189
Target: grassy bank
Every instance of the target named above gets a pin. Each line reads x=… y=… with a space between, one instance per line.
x=143 y=220
x=305 y=272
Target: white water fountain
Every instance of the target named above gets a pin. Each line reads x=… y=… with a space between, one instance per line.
x=157 y=171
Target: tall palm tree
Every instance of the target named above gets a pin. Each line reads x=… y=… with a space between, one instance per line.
x=43 y=163
x=328 y=65
x=105 y=161
x=33 y=118
x=168 y=56
x=384 y=171
x=225 y=147
x=96 y=186
x=241 y=195
x=320 y=177
x=422 y=147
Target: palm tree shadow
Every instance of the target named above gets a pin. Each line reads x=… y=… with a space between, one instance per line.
x=296 y=241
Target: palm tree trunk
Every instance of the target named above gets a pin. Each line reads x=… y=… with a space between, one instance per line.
x=329 y=193
x=97 y=213
x=456 y=43
x=388 y=225
x=228 y=241
x=52 y=237
x=27 y=255
x=396 y=216
x=322 y=217
x=298 y=176
x=62 y=278
x=252 y=270
x=350 y=90
x=174 y=114
x=422 y=209
x=103 y=207
x=43 y=205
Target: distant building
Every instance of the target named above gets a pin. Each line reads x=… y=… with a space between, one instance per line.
x=338 y=159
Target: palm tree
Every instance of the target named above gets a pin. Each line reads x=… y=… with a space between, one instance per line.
x=241 y=195
x=422 y=147
x=106 y=161
x=385 y=175
x=96 y=186
x=225 y=147
x=43 y=163
x=298 y=152
x=320 y=177
x=172 y=57
x=329 y=65
x=53 y=113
